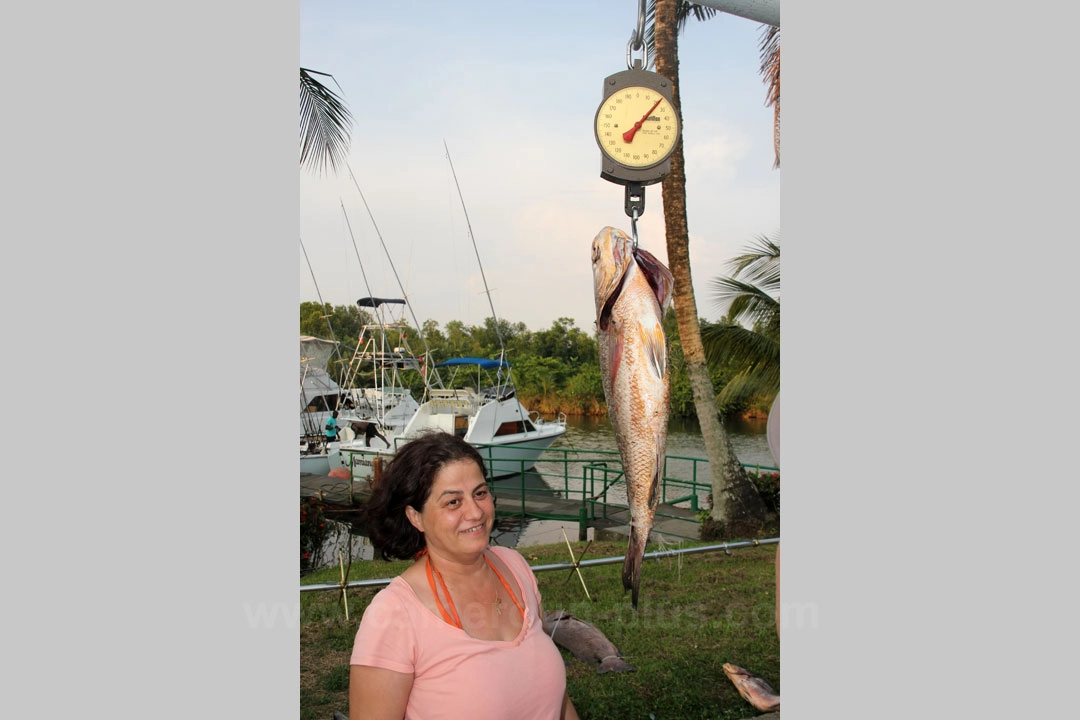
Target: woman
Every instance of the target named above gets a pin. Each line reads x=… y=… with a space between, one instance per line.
x=459 y=632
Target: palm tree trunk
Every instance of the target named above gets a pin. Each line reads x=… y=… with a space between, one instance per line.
x=736 y=501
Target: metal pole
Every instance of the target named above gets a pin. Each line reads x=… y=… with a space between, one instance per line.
x=567 y=566
x=763 y=11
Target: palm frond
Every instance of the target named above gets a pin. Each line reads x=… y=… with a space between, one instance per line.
x=325 y=124
x=734 y=345
x=753 y=290
x=682 y=14
x=745 y=302
x=746 y=385
x=770 y=73
x=758 y=258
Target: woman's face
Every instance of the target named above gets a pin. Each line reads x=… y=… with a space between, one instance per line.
x=460 y=511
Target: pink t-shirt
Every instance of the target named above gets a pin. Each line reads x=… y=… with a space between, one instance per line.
x=524 y=679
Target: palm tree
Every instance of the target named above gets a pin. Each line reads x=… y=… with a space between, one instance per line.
x=770 y=73
x=324 y=124
x=751 y=294
x=736 y=502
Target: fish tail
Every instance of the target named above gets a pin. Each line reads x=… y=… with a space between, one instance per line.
x=635 y=553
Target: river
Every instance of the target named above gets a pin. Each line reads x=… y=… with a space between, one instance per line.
x=748 y=439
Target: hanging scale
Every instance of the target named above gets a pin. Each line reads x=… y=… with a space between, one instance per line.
x=636 y=126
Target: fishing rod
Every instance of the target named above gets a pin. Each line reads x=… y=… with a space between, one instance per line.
x=337 y=351
x=498 y=330
x=378 y=316
x=429 y=364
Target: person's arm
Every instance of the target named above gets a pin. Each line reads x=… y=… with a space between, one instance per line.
x=378 y=694
x=568 y=711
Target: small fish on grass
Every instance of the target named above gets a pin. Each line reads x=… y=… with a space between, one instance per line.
x=754 y=689
x=585 y=641
x=632 y=292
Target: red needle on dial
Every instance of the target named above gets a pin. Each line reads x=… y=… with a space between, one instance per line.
x=628 y=136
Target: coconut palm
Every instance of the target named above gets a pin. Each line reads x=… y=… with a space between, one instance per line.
x=769 y=49
x=324 y=124
x=735 y=499
x=770 y=73
x=751 y=295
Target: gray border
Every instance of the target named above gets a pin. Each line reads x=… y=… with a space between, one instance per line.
x=152 y=187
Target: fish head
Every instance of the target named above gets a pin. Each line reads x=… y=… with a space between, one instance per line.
x=612 y=256
x=552 y=618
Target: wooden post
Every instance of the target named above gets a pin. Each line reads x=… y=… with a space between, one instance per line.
x=376 y=471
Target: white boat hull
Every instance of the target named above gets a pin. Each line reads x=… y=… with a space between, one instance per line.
x=516 y=458
x=320 y=463
x=506 y=454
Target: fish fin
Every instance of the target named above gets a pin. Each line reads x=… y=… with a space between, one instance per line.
x=655 y=349
x=660 y=278
x=635 y=552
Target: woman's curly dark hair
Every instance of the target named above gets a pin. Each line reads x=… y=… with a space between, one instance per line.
x=406 y=482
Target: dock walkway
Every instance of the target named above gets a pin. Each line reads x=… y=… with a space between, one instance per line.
x=670 y=520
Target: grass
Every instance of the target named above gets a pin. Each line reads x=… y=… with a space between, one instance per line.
x=695 y=613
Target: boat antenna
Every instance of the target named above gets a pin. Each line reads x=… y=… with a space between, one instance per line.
x=374 y=311
x=419 y=329
x=322 y=304
x=356 y=250
x=498 y=331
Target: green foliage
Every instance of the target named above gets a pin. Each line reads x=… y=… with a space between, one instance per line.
x=584 y=390
x=768 y=486
x=325 y=124
x=750 y=358
x=556 y=369
x=336 y=679
x=314 y=527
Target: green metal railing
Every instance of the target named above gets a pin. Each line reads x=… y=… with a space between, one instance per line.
x=594 y=482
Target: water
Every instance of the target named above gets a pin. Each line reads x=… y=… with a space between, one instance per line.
x=747 y=437
x=748 y=440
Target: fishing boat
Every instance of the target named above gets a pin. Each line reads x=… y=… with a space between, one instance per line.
x=481 y=408
x=487 y=414
x=319 y=397
x=484 y=410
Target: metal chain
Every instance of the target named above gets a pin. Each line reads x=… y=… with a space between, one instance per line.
x=637 y=40
x=634 y=206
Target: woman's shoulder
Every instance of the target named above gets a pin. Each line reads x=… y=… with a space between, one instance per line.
x=395 y=592
x=511 y=557
x=505 y=552
x=394 y=600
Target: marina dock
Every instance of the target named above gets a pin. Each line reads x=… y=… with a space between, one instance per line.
x=345 y=495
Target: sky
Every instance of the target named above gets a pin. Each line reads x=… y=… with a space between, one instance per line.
x=512 y=89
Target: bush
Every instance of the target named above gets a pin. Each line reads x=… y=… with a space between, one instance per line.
x=313 y=531
x=768 y=486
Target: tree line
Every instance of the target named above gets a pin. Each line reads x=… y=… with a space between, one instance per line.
x=555 y=370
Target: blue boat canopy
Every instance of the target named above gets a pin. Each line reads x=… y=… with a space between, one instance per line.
x=482 y=362
x=374 y=302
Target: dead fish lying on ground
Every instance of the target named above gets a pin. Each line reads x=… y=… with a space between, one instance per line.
x=754 y=689
x=632 y=292
x=585 y=641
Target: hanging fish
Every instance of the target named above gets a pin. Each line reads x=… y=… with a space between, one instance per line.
x=632 y=292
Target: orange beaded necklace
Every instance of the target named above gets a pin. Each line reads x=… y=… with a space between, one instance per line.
x=452 y=617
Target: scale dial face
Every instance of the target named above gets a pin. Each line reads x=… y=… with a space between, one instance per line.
x=636 y=127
